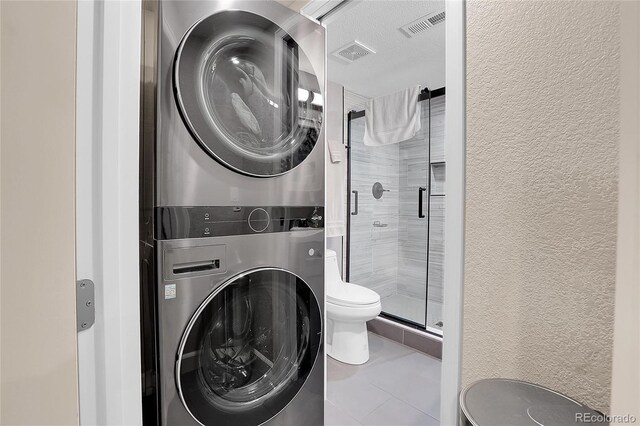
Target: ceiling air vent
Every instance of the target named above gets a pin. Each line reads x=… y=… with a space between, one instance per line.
x=353 y=51
x=422 y=24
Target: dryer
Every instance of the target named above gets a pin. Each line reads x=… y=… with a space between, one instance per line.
x=233 y=106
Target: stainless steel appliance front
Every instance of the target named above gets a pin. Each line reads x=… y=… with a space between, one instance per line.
x=240 y=329
x=238 y=91
x=232 y=197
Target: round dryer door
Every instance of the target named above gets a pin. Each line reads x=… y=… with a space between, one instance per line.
x=249 y=348
x=248 y=93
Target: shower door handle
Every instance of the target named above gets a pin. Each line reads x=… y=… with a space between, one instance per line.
x=356 y=203
x=421 y=190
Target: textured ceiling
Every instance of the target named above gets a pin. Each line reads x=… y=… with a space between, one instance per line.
x=399 y=61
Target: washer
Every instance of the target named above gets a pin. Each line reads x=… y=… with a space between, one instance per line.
x=237 y=336
x=233 y=105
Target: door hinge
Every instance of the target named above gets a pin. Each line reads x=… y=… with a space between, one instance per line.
x=85 y=304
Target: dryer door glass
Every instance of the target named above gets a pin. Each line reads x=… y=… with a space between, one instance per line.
x=249 y=348
x=248 y=93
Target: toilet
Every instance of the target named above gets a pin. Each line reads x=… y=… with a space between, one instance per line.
x=349 y=307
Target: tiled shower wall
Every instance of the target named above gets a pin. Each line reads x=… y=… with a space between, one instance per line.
x=374 y=261
x=437 y=210
x=412 y=247
x=393 y=259
x=412 y=235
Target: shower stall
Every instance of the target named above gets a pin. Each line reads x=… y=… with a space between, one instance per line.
x=395 y=219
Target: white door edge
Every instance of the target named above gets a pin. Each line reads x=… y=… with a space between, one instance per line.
x=455 y=148
x=108 y=67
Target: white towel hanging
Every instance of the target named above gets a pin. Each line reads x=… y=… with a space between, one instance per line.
x=392 y=118
x=336 y=151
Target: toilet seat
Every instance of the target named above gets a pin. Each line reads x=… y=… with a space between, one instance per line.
x=352 y=295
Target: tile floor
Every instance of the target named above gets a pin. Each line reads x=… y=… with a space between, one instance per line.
x=397 y=386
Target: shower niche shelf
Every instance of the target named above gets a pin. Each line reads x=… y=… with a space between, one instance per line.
x=438 y=172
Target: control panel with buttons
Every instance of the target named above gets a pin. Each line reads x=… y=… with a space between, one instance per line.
x=204 y=222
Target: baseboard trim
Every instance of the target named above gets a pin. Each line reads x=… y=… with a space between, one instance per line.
x=416 y=339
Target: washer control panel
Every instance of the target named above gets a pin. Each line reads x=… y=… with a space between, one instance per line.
x=202 y=222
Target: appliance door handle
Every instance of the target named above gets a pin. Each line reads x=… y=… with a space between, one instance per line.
x=356 y=203
x=421 y=190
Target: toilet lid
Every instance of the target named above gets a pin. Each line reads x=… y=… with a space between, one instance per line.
x=352 y=295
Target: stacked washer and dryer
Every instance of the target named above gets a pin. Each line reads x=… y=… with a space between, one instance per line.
x=232 y=206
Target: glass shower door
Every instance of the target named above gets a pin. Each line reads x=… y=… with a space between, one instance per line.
x=389 y=219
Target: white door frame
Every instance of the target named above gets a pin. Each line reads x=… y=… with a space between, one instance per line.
x=455 y=149
x=108 y=81
x=107 y=208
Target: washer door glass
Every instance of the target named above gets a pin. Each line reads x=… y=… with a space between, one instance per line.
x=249 y=348
x=248 y=93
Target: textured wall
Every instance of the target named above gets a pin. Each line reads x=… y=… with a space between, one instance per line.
x=542 y=111
x=39 y=370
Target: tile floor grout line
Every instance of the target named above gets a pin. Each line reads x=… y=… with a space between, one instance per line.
x=366 y=379
x=399 y=399
x=406 y=403
x=395 y=396
x=344 y=413
x=390 y=352
x=381 y=404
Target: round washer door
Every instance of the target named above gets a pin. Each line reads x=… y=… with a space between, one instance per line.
x=249 y=348
x=248 y=93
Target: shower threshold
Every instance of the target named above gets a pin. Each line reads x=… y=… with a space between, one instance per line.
x=425 y=341
x=412 y=309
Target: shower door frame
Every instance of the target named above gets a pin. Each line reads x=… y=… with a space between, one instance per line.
x=425 y=95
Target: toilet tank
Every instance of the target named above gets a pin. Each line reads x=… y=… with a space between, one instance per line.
x=332 y=273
